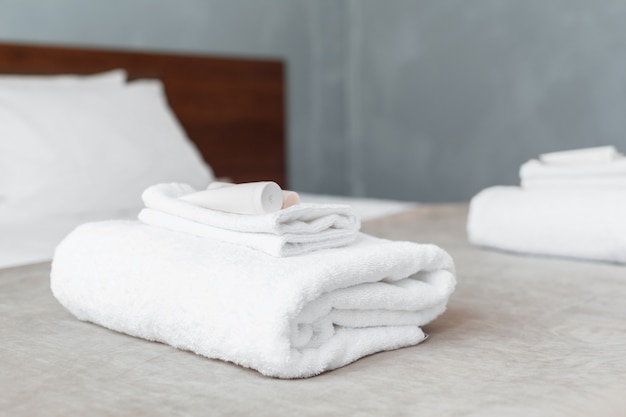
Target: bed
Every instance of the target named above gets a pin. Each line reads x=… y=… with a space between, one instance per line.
x=521 y=336
x=233 y=109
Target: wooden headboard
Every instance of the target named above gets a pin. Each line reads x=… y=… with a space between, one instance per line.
x=233 y=109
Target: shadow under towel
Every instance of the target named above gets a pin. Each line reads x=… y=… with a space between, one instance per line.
x=285 y=317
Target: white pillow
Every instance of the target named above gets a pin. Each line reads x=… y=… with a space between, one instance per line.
x=114 y=78
x=84 y=150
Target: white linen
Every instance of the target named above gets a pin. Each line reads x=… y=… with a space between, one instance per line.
x=287 y=244
x=534 y=169
x=558 y=222
x=607 y=182
x=535 y=174
x=286 y=317
x=109 y=79
x=300 y=219
x=581 y=156
x=293 y=231
x=77 y=150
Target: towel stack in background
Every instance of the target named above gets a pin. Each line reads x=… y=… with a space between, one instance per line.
x=291 y=293
x=570 y=204
x=593 y=168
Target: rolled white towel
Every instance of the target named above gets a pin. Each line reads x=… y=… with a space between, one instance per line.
x=573 y=223
x=285 y=317
x=298 y=229
x=289 y=198
x=250 y=198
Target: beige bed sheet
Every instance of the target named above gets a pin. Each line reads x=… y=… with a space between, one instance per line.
x=522 y=337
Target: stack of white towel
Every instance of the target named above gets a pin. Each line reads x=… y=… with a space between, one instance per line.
x=570 y=204
x=295 y=230
x=592 y=168
x=291 y=294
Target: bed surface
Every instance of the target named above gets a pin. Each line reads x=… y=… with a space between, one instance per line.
x=522 y=336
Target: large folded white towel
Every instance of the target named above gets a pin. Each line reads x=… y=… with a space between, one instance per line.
x=588 y=224
x=295 y=230
x=286 y=317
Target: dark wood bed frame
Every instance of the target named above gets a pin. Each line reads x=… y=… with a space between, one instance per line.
x=233 y=109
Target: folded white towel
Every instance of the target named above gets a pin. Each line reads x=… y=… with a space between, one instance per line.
x=286 y=244
x=286 y=317
x=606 y=182
x=295 y=230
x=581 y=156
x=534 y=169
x=535 y=174
x=587 y=224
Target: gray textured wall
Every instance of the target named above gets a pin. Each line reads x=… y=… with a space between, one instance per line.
x=427 y=100
x=450 y=96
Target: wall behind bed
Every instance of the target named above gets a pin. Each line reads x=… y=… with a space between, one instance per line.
x=450 y=96
x=428 y=100
x=308 y=36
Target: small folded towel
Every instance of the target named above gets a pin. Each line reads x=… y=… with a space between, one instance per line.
x=581 y=156
x=292 y=231
x=590 y=174
x=537 y=170
x=586 y=224
x=285 y=317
